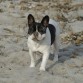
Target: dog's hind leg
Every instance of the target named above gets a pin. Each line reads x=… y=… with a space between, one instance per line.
x=56 y=47
x=56 y=54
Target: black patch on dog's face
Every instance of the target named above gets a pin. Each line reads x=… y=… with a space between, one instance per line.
x=37 y=27
x=40 y=28
x=32 y=29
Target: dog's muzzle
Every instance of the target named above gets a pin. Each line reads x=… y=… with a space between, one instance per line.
x=35 y=36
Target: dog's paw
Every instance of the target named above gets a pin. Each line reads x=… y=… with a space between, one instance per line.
x=32 y=65
x=42 y=69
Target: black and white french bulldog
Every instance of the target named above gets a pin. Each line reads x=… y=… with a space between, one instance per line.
x=43 y=37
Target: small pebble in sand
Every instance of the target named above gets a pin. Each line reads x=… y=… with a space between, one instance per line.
x=10 y=69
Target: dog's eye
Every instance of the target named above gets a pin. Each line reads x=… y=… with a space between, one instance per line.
x=31 y=30
x=42 y=30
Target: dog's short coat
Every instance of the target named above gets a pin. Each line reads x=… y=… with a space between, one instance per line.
x=42 y=37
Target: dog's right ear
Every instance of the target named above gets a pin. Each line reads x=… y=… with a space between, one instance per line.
x=45 y=21
x=30 y=19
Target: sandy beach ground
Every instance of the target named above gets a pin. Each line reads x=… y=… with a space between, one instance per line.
x=14 y=57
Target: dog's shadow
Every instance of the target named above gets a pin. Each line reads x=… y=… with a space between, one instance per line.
x=64 y=54
x=51 y=57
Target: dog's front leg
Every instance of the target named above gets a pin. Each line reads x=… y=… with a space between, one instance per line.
x=44 y=61
x=32 y=58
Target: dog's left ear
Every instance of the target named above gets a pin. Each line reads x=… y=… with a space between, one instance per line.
x=45 y=21
x=30 y=19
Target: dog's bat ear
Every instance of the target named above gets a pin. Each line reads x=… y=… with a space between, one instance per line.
x=45 y=21
x=30 y=19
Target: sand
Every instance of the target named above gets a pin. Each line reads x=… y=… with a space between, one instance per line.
x=14 y=57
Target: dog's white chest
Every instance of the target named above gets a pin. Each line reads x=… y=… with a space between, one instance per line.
x=33 y=45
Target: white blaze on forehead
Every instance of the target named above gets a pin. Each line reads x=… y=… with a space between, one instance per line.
x=36 y=28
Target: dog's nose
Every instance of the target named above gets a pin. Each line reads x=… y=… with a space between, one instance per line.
x=36 y=34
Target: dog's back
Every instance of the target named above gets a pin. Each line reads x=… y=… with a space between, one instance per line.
x=52 y=30
x=57 y=33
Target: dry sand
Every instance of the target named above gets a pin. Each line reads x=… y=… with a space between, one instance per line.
x=14 y=57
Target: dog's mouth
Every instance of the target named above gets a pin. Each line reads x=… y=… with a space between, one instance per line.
x=38 y=37
x=35 y=39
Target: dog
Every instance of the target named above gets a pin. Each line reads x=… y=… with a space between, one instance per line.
x=42 y=37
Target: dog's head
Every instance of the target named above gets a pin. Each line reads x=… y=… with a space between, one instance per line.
x=37 y=31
